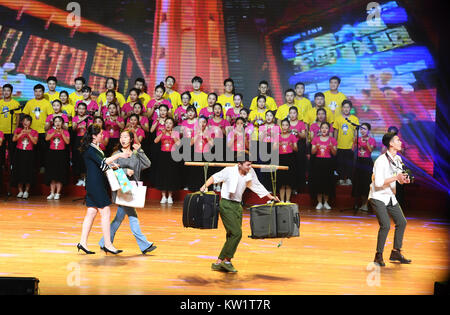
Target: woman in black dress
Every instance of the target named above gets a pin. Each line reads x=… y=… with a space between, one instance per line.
x=97 y=198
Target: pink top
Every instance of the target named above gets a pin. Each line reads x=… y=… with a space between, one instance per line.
x=238 y=140
x=180 y=112
x=363 y=150
x=269 y=133
x=202 y=145
x=140 y=133
x=2 y=135
x=299 y=127
x=159 y=127
x=105 y=136
x=24 y=143
x=113 y=128
x=216 y=127
x=230 y=113
x=50 y=118
x=56 y=141
x=285 y=147
x=155 y=103
x=143 y=120
x=250 y=129
x=188 y=128
x=168 y=142
x=323 y=150
x=127 y=108
x=82 y=127
x=91 y=107
x=315 y=128
x=205 y=112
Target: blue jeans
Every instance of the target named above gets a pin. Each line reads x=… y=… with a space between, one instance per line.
x=134 y=225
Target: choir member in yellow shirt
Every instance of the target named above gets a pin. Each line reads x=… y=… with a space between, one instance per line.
x=303 y=103
x=171 y=95
x=66 y=107
x=227 y=98
x=283 y=110
x=76 y=96
x=111 y=84
x=10 y=112
x=263 y=89
x=144 y=98
x=52 y=94
x=199 y=99
x=258 y=115
x=334 y=98
x=345 y=134
x=311 y=115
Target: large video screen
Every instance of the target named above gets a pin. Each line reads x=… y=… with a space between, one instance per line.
x=386 y=72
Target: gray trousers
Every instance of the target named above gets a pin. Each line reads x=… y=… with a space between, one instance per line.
x=382 y=212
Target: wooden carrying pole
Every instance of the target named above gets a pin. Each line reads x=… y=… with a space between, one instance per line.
x=215 y=164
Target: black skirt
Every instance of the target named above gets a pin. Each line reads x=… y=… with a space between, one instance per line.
x=23 y=168
x=300 y=165
x=78 y=166
x=57 y=166
x=168 y=172
x=362 y=177
x=287 y=178
x=322 y=179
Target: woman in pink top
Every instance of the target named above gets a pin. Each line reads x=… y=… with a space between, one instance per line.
x=143 y=120
x=314 y=129
x=134 y=126
x=127 y=108
x=113 y=124
x=238 y=139
x=168 y=169
x=298 y=129
x=322 y=182
x=57 y=109
x=23 y=169
x=219 y=128
x=57 y=168
x=180 y=114
x=80 y=123
x=363 y=168
x=103 y=109
x=91 y=105
x=234 y=112
x=153 y=105
x=287 y=146
x=208 y=111
x=158 y=126
x=105 y=139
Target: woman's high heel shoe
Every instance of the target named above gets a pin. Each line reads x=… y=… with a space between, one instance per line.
x=112 y=252
x=79 y=246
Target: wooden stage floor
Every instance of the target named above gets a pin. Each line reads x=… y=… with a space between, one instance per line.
x=332 y=255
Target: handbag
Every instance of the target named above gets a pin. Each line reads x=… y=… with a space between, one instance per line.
x=134 y=198
x=112 y=179
x=123 y=180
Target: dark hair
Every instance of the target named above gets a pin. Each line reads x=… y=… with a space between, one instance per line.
x=161 y=86
x=9 y=86
x=171 y=77
x=212 y=93
x=139 y=80
x=220 y=105
x=80 y=79
x=111 y=91
x=203 y=117
x=186 y=93
x=137 y=117
x=261 y=96
x=67 y=93
x=293 y=108
x=286 y=120
x=86 y=141
x=23 y=117
x=56 y=117
x=118 y=146
x=39 y=87
x=51 y=78
x=270 y=112
x=240 y=95
x=140 y=104
x=164 y=105
x=387 y=138
x=347 y=102
x=320 y=110
x=170 y=118
x=58 y=101
x=87 y=89
x=289 y=90
x=241 y=157
x=393 y=129
x=82 y=104
x=325 y=123
x=198 y=79
x=263 y=82
x=101 y=118
x=246 y=110
x=319 y=94
x=299 y=83
x=369 y=127
x=191 y=108
x=239 y=118
x=135 y=90
x=114 y=81
x=232 y=82
x=335 y=78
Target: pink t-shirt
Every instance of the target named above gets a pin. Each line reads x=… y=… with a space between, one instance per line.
x=140 y=133
x=205 y=112
x=201 y=145
x=238 y=140
x=24 y=143
x=181 y=114
x=363 y=149
x=323 y=150
x=2 y=135
x=127 y=108
x=299 y=127
x=216 y=127
x=284 y=144
x=159 y=127
x=154 y=103
x=50 y=118
x=269 y=133
x=113 y=128
x=91 y=107
x=168 y=142
x=82 y=127
x=143 y=120
x=188 y=129
x=315 y=128
x=56 y=141
x=230 y=113
x=105 y=136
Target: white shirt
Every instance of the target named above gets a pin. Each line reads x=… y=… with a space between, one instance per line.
x=382 y=170
x=234 y=184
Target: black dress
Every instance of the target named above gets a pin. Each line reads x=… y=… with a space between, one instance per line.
x=96 y=192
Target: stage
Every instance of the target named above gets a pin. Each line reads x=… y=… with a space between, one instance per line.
x=332 y=255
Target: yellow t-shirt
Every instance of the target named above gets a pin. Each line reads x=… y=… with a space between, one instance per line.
x=5 y=118
x=304 y=105
x=102 y=98
x=270 y=103
x=346 y=131
x=311 y=116
x=74 y=98
x=255 y=115
x=69 y=110
x=174 y=99
x=199 y=100
x=283 y=112
x=227 y=102
x=51 y=98
x=334 y=101
x=144 y=98
x=38 y=110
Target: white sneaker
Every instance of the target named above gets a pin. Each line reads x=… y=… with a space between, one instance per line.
x=364 y=208
x=51 y=196
x=25 y=195
x=348 y=182
x=185 y=188
x=20 y=194
x=79 y=183
x=57 y=196
x=163 y=200
x=341 y=182
x=327 y=206
x=170 y=200
x=319 y=206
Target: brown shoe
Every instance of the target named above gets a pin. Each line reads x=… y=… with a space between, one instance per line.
x=379 y=259
x=396 y=255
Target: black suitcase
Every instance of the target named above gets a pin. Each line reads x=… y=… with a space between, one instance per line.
x=201 y=210
x=275 y=220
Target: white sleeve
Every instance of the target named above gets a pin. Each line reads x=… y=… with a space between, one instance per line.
x=378 y=171
x=256 y=186
x=221 y=176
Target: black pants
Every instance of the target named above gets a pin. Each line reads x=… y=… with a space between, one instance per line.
x=344 y=163
x=42 y=147
x=382 y=212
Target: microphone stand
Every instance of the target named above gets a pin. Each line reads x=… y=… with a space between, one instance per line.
x=355 y=157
